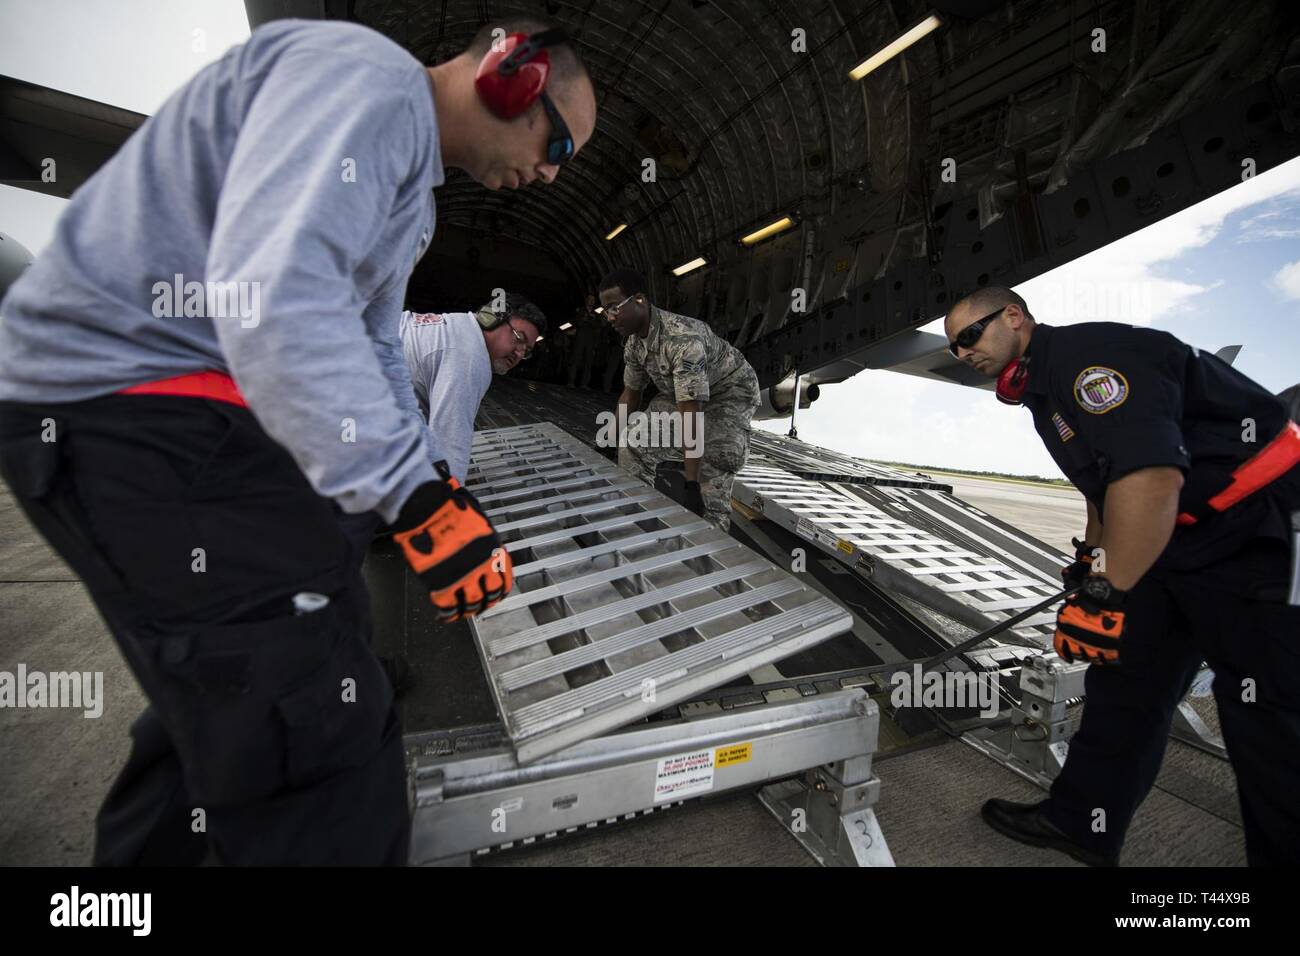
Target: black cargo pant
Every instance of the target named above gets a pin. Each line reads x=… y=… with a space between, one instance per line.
x=1233 y=616
x=270 y=737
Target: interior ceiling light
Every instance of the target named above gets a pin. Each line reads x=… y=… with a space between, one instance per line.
x=617 y=229
x=922 y=29
x=689 y=266
x=771 y=229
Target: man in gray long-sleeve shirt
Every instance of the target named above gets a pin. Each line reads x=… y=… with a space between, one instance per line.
x=202 y=374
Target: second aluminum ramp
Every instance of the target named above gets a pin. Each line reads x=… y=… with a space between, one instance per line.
x=918 y=541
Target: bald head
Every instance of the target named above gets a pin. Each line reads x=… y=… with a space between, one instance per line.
x=990 y=299
x=514 y=152
x=1000 y=327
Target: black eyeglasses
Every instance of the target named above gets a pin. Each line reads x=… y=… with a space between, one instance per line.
x=968 y=336
x=521 y=339
x=559 y=148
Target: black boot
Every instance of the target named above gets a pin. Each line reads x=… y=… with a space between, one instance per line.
x=1026 y=823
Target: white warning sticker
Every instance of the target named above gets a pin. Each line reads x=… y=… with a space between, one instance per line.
x=684 y=774
x=811 y=532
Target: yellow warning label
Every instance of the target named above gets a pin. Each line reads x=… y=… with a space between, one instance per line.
x=844 y=546
x=736 y=753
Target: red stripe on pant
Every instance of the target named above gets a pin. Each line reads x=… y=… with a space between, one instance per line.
x=217 y=386
x=1268 y=464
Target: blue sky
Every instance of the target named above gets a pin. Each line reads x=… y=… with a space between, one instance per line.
x=1224 y=272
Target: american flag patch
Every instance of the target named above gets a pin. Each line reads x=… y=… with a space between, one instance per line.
x=1062 y=429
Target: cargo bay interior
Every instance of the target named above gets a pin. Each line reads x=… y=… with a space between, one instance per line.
x=717 y=120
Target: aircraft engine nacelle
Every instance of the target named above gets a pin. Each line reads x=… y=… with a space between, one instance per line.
x=14 y=258
x=778 y=401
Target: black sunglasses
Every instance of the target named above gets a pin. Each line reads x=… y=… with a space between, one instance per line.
x=559 y=148
x=968 y=336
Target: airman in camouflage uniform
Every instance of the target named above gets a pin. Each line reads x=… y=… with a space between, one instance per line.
x=692 y=368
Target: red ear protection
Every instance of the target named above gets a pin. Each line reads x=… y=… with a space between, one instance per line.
x=510 y=79
x=1013 y=380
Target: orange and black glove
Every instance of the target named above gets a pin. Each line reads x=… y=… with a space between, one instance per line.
x=1073 y=574
x=1090 y=624
x=449 y=542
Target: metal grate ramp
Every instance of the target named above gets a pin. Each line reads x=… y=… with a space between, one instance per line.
x=920 y=542
x=821 y=464
x=624 y=602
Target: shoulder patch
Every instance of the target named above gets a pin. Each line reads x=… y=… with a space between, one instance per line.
x=1099 y=389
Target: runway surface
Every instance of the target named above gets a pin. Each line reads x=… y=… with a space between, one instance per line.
x=1051 y=514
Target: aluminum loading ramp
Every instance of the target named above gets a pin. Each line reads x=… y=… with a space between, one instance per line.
x=624 y=602
x=822 y=464
x=907 y=535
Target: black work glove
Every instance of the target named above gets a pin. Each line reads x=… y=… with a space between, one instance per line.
x=672 y=482
x=453 y=548
x=1073 y=574
x=693 y=499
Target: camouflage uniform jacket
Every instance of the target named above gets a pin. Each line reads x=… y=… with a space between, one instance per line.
x=687 y=361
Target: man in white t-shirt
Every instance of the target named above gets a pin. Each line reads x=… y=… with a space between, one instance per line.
x=452 y=356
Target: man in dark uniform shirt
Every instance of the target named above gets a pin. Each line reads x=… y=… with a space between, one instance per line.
x=1190 y=473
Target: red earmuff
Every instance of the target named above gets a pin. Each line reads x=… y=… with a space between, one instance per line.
x=1012 y=382
x=509 y=92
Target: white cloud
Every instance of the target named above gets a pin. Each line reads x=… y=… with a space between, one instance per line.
x=1280 y=220
x=1126 y=281
x=1287 y=280
x=891 y=417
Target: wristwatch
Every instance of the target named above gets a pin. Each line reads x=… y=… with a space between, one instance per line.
x=1100 y=590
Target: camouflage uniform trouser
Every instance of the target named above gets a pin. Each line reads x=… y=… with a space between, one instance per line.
x=726 y=446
